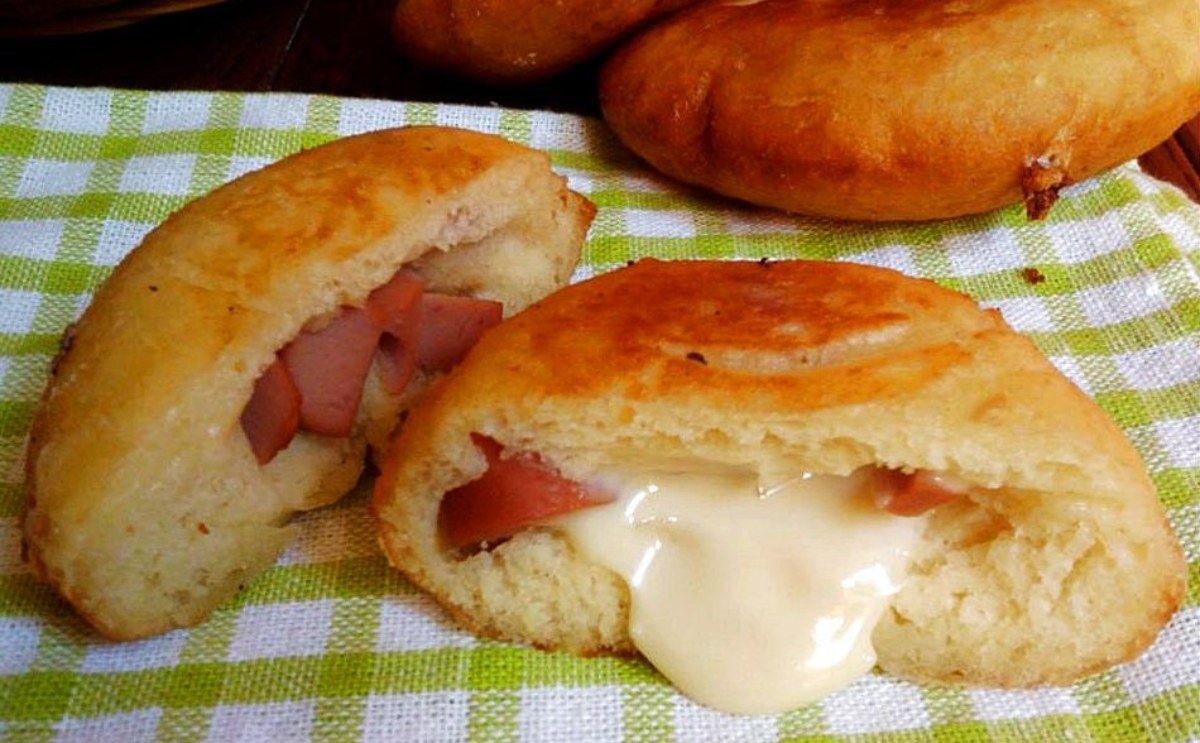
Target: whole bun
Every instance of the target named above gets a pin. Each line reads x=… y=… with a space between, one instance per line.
x=903 y=109
x=516 y=41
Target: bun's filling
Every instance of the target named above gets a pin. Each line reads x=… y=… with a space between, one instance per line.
x=752 y=589
x=514 y=492
x=518 y=490
x=316 y=382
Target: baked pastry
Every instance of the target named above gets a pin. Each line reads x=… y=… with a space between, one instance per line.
x=903 y=109
x=713 y=463
x=515 y=41
x=175 y=438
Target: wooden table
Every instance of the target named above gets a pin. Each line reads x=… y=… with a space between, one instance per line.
x=337 y=47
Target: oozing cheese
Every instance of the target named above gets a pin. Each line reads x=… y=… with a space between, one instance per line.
x=750 y=597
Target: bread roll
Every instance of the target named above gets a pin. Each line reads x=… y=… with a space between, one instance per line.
x=516 y=41
x=145 y=506
x=1053 y=559
x=903 y=109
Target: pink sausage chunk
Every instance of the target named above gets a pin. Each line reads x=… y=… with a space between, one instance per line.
x=272 y=416
x=451 y=326
x=316 y=381
x=513 y=493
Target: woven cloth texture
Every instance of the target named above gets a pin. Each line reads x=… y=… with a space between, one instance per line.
x=330 y=644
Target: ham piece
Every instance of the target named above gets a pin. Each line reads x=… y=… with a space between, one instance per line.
x=450 y=327
x=272 y=416
x=903 y=494
x=316 y=381
x=397 y=308
x=513 y=493
x=329 y=366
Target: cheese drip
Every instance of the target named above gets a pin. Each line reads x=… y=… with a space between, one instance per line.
x=750 y=597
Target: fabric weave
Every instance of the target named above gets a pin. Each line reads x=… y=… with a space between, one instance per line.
x=330 y=644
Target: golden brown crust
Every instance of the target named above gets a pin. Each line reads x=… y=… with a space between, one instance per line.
x=830 y=367
x=517 y=41
x=145 y=507
x=903 y=109
x=710 y=329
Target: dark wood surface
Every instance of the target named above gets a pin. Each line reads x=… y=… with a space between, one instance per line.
x=341 y=47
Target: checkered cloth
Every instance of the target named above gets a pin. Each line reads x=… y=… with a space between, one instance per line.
x=331 y=644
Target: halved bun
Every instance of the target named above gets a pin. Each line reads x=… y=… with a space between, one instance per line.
x=1057 y=561
x=145 y=506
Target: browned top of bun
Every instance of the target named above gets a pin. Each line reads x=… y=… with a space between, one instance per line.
x=903 y=109
x=732 y=331
x=516 y=41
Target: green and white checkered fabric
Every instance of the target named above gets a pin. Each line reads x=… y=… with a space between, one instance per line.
x=331 y=644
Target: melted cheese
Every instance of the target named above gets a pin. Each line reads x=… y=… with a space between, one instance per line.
x=750 y=597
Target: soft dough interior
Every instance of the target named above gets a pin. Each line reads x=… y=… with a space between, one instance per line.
x=1001 y=576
